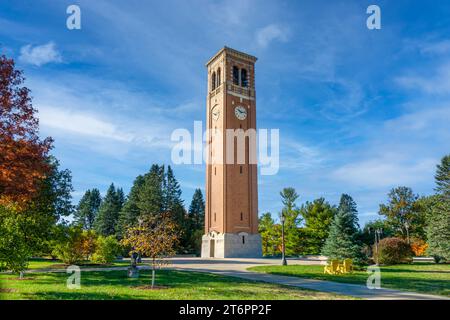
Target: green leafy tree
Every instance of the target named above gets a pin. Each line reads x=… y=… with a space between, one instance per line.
x=402 y=212
x=270 y=235
x=69 y=247
x=108 y=215
x=27 y=232
x=318 y=216
x=293 y=219
x=368 y=235
x=107 y=249
x=342 y=241
x=87 y=209
x=14 y=248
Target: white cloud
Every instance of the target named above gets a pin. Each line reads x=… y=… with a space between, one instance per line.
x=298 y=156
x=40 y=55
x=266 y=35
x=81 y=123
x=439 y=83
x=385 y=173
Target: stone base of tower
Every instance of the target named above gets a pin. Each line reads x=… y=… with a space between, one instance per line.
x=231 y=245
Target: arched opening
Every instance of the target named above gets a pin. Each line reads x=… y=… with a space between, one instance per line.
x=219 y=77
x=236 y=75
x=244 y=79
x=213 y=81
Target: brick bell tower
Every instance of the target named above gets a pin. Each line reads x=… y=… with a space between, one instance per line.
x=231 y=215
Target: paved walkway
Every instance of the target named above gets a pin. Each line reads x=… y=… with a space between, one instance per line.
x=238 y=268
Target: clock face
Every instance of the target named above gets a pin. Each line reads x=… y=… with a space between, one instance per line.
x=215 y=112
x=240 y=112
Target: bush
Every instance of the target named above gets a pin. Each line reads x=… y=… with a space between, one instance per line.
x=88 y=243
x=394 y=251
x=69 y=248
x=107 y=249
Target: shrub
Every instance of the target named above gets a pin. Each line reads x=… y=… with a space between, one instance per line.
x=88 y=243
x=69 y=248
x=394 y=251
x=107 y=248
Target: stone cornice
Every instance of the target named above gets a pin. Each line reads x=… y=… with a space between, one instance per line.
x=233 y=53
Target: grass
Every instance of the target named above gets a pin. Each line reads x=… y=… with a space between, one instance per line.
x=421 y=277
x=42 y=263
x=179 y=285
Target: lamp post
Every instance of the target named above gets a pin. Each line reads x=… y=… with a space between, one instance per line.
x=283 y=255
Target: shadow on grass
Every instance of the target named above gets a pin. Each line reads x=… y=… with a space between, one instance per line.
x=116 y=285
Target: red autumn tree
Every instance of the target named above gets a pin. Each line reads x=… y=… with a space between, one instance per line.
x=22 y=153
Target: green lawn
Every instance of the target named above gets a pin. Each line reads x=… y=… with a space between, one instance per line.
x=41 y=263
x=420 y=277
x=179 y=285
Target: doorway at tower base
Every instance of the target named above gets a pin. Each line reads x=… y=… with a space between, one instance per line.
x=231 y=245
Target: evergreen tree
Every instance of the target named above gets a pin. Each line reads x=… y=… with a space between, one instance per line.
x=130 y=211
x=438 y=218
x=197 y=210
x=87 y=209
x=342 y=241
x=151 y=195
x=173 y=204
x=442 y=177
x=318 y=216
x=196 y=222
x=108 y=215
x=270 y=235
x=292 y=221
x=172 y=191
x=438 y=230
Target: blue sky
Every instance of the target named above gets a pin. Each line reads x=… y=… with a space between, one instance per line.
x=359 y=111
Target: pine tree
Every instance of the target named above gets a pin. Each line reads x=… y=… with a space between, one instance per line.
x=438 y=218
x=87 y=209
x=293 y=219
x=108 y=215
x=438 y=230
x=197 y=210
x=342 y=241
x=270 y=236
x=442 y=177
x=318 y=216
x=130 y=211
x=172 y=191
x=173 y=204
x=195 y=222
x=151 y=195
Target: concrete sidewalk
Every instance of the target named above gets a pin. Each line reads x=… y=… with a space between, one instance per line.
x=238 y=268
